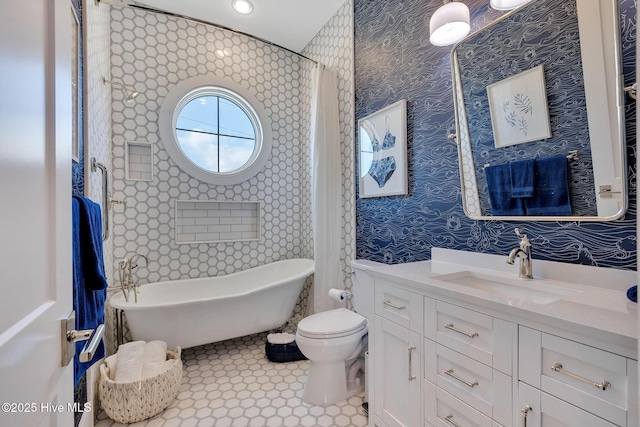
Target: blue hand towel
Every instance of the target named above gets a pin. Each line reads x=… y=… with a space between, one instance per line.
x=499 y=186
x=551 y=188
x=632 y=293
x=522 y=178
x=89 y=279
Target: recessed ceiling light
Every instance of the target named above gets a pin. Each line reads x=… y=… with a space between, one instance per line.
x=242 y=6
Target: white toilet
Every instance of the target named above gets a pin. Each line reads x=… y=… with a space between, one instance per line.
x=334 y=341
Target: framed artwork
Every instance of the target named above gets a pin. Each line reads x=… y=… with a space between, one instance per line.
x=75 y=83
x=382 y=142
x=518 y=106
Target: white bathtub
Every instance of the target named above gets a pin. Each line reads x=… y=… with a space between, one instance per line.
x=194 y=312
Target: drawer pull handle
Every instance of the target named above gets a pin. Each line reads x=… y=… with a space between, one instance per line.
x=392 y=305
x=411 y=376
x=449 y=419
x=453 y=328
x=451 y=374
x=602 y=385
x=525 y=411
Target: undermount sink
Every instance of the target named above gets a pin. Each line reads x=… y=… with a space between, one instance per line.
x=538 y=291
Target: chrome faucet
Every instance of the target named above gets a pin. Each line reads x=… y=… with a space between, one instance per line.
x=125 y=269
x=524 y=252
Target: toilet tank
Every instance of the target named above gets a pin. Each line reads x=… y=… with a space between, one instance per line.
x=362 y=290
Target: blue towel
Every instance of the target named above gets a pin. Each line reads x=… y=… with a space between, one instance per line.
x=522 y=178
x=499 y=186
x=89 y=279
x=632 y=293
x=551 y=193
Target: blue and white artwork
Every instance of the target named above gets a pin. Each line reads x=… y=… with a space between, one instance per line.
x=383 y=170
x=518 y=107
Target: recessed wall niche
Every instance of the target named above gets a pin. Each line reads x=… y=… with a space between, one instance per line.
x=139 y=161
x=211 y=221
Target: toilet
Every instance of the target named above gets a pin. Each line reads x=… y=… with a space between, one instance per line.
x=335 y=341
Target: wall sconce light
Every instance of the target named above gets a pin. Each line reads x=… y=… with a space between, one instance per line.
x=129 y=94
x=449 y=24
x=507 y=4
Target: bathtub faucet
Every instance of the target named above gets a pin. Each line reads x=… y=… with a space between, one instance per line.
x=125 y=268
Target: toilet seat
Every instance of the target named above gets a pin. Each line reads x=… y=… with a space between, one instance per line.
x=332 y=324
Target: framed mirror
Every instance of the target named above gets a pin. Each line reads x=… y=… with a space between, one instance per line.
x=543 y=84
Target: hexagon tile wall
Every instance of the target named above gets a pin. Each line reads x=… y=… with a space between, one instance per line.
x=152 y=53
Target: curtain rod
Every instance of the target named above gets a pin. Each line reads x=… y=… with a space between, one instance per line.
x=135 y=5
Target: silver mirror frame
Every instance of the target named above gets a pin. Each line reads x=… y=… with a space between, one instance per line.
x=468 y=176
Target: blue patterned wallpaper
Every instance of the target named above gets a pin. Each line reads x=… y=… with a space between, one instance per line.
x=518 y=44
x=393 y=61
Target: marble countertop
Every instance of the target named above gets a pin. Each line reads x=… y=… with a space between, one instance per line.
x=600 y=309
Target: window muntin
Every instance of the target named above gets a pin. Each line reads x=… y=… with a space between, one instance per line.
x=215 y=132
x=224 y=138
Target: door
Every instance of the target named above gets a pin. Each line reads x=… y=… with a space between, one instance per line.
x=35 y=213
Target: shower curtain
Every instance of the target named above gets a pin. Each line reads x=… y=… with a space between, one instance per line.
x=326 y=197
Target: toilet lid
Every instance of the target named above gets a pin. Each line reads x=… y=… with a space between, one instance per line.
x=339 y=322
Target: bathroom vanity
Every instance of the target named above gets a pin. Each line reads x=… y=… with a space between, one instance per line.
x=461 y=341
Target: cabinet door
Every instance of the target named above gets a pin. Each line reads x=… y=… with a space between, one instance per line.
x=398 y=374
x=539 y=409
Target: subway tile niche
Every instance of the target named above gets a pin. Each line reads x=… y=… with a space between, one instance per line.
x=210 y=221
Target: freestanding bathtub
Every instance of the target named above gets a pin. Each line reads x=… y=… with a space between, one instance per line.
x=194 y=312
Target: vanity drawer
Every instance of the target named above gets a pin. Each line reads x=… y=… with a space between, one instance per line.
x=539 y=409
x=477 y=335
x=482 y=387
x=399 y=305
x=441 y=409
x=596 y=380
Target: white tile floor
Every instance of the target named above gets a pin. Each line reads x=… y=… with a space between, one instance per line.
x=232 y=383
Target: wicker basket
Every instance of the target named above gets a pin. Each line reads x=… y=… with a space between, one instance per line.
x=136 y=401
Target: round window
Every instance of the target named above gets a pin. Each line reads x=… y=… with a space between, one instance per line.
x=213 y=133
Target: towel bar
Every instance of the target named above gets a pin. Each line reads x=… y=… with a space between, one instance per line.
x=106 y=196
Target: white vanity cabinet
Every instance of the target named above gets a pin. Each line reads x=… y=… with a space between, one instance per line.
x=468 y=360
x=445 y=358
x=589 y=379
x=397 y=355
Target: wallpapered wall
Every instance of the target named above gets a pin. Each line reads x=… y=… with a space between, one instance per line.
x=393 y=61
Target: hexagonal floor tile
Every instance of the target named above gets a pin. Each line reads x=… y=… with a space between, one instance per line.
x=268 y=398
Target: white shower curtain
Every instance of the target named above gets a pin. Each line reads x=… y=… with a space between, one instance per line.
x=326 y=197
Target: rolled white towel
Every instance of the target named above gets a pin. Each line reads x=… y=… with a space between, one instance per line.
x=130 y=359
x=112 y=364
x=280 y=338
x=155 y=354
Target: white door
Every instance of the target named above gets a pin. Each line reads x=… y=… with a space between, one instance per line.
x=35 y=211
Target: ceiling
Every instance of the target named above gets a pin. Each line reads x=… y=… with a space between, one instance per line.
x=288 y=23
